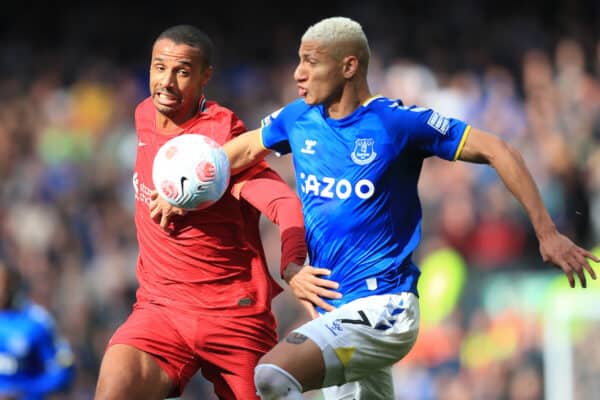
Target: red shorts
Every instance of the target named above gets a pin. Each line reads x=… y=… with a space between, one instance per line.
x=225 y=349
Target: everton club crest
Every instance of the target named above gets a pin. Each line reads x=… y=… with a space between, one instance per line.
x=363 y=152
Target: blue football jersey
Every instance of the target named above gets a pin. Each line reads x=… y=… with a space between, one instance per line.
x=34 y=362
x=357 y=180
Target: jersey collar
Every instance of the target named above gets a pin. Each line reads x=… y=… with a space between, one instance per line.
x=370 y=99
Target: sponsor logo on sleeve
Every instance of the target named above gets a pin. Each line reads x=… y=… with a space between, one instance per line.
x=269 y=119
x=439 y=123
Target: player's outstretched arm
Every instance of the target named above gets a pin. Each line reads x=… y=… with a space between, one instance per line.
x=245 y=150
x=555 y=248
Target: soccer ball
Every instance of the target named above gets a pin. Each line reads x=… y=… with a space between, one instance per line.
x=191 y=171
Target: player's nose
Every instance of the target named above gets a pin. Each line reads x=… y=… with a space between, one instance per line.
x=299 y=74
x=167 y=79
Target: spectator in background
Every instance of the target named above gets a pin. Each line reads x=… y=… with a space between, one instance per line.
x=34 y=361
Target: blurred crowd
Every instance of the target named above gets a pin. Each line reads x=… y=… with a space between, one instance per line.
x=67 y=148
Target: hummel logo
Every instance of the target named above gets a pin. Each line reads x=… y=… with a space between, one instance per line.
x=308 y=146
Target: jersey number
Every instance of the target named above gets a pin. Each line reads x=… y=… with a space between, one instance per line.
x=362 y=321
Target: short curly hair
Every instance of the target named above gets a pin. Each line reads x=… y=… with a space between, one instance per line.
x=192 y=36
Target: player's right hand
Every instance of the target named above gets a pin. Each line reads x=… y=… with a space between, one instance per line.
x=161 y=211
x=559 y=250
x=306 y=284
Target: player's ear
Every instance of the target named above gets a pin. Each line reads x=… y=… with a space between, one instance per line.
x=207 y=74
x=349 y=66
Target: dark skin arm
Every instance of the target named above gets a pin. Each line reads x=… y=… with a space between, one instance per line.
x=555 y=248
x=245 y=150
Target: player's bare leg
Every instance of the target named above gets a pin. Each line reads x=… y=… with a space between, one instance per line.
x=128 y=373
x=306 y=366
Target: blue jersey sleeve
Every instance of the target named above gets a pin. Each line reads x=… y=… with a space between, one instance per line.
x=276 y=126
x=433 y=133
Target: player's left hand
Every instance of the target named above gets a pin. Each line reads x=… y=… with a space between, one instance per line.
x=306 y=284
x=161 y=211
x=559 y=250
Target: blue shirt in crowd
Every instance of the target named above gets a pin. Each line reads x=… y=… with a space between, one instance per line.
x=34 y=361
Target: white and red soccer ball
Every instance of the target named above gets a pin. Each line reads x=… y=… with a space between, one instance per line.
x=191 y=171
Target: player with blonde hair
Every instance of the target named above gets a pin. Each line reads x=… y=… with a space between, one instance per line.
x=357 y=160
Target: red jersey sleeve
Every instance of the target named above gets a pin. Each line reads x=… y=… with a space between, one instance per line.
x=239 y=180
x=237 y=126
x=269 y=194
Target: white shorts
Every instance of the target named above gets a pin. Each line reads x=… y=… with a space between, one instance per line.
x=364 y=335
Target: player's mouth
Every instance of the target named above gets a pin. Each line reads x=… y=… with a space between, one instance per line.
x=166 y=99
x=301 y=91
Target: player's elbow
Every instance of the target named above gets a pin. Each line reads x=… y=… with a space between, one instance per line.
x=501 y=150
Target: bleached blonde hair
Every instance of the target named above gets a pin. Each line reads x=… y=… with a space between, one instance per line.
x=343 y=35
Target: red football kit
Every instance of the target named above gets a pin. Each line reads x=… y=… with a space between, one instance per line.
x=204 y=296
